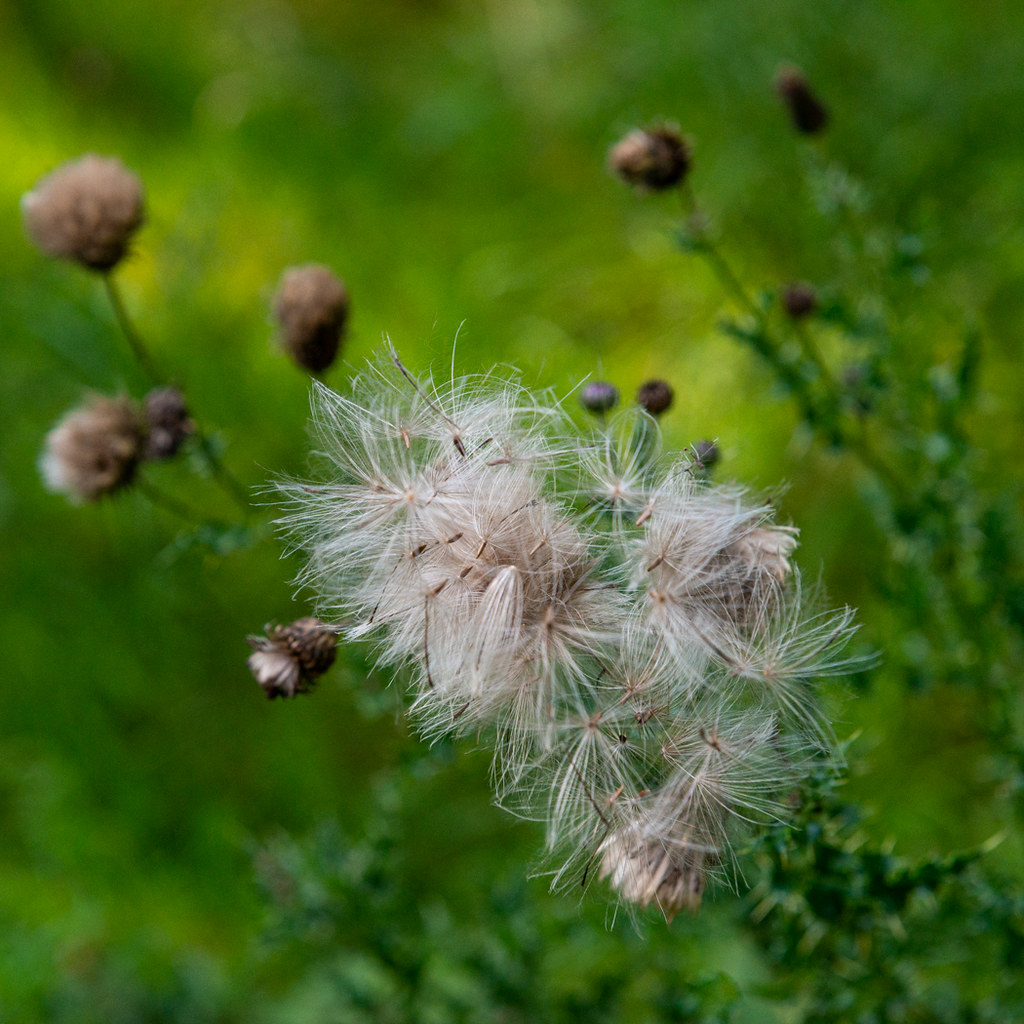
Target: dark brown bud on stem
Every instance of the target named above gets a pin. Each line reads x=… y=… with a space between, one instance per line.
x=799 y=300
x=289 y=659
x=806 y=110
x=311 y=307
x=87 y=210
x=655 y=397
x=653 y=159
x=168 y=421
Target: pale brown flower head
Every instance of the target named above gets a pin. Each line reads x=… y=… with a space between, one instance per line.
x=311 y=307
x=651 y=158
x=289 y=659
x=95 y=449
x=169 y=423
x=86 y=210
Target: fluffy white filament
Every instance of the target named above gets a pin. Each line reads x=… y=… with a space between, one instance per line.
x=636 y=640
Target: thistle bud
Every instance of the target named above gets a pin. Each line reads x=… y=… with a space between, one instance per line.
x=807 y=112
x=799 y=300
x=94 y=450
x=655 y=397
x=289 y=659
x=651 y=158
x=706 y=454
x=599 y=397
x=87 y=210
x=311 y=307
x=168 y=421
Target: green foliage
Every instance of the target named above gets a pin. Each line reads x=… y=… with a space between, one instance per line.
x=447 y=160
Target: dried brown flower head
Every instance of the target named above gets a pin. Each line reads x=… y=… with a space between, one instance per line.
x=655 y=397
x=288 y=660
x=651 y=158
x=86 y=210
x=806 y=110
x=311 y=307
x=169 y=423
x=799 y=299
x=94 y=450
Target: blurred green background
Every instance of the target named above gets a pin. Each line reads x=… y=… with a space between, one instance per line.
x=447 y=159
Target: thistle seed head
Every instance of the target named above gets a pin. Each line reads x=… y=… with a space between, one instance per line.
x=311 y=308
x=168 y=421
x=651 y=159
x=290 y=658
x=644 y=659
x=808 y=114
x=86 y=210
x=94 y=450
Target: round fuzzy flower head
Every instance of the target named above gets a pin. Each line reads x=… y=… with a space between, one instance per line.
x=87 y=210
x=651 y=158
x=95 y=449
x=311 y=307
x=168 y=421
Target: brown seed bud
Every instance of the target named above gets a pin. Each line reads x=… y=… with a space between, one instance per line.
x=651 y=158
x=808 y=114
x=799 y=299
x=94 y=450
x=311 y=307
x=86 y=210
x=168 y=421
x=655 y=396
x=288 y=660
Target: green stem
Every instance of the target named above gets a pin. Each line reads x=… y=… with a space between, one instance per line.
x=132 y=336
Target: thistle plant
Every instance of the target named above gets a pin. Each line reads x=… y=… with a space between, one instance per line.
x=633 y=638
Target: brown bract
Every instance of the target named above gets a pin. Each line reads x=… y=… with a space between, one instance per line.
x=87 y=210
x=311 y=307
x=651 y=158
x=95 y=449
x=287 y=661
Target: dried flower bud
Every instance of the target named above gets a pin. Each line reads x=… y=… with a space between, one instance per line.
x=706 y=454
x=655 y=396
x=808 y=114
x=646 y=871
x=799 y=299
x=86 y=210
x=651 y=158
x=288 y=660
x=311 y=306
x=94 y=450
x=599 y=396
x=168 y=421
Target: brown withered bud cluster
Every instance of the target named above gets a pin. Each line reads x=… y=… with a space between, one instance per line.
x=808 y=114
x=706 y=453
x=86 y=210
x=799 y=300
x=651 y=159
x=311 y=307
x=288 y=660
x=168 y=421
x=655 y=397
x=95 y=450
